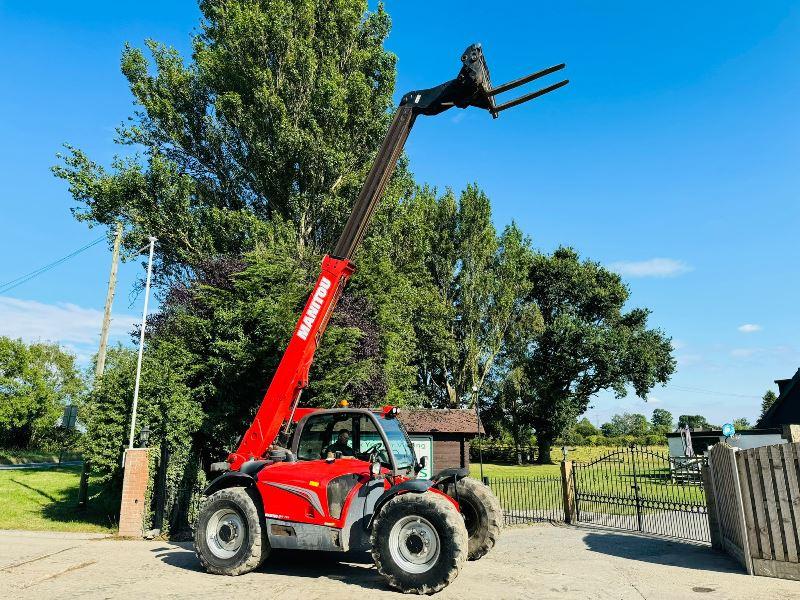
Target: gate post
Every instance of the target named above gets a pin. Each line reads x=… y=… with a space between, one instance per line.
x=568 y=491
x=134 y=488
x=711 y=506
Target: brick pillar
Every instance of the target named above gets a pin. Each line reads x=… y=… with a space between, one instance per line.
x=134 y=488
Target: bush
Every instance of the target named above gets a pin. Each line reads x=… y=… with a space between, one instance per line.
x=500 y=452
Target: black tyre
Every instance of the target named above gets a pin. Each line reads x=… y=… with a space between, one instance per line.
x=231 y=536
x=483 y=515
x=419 y=542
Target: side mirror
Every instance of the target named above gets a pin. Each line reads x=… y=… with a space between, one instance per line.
x=421 y=463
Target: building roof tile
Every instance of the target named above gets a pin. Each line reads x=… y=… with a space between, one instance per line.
x=441 y=420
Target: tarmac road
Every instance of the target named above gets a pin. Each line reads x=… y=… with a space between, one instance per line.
x=543 y=562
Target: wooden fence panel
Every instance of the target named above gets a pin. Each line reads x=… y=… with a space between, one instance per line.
x=790 y=459
x=728 y=503
x=751 y=523
x=771 y=505
x=781 y=491
x=770 y=489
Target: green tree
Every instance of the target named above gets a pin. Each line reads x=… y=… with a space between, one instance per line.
x=36 y=382
x=741 y=423
x=504 y=410
x=276 y=116
x=767 y=401
x=694 y=422
x=585 y=428
x=167 y=407
x=588 y=344
x=480 y=281
x=107 y=417
x=626 y=424
x=662 y=420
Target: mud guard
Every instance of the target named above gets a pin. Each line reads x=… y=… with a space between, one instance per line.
x=244 y=477
x=446 y=474
x=229 y=479
x=413 y=486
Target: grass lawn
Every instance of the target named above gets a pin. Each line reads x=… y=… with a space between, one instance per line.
x=46 y=500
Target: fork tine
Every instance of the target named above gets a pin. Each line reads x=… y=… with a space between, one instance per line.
x=527 y=97
x=523 y=80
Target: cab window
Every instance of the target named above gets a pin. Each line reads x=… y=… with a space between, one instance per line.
x=323 y=432
x=370 y=441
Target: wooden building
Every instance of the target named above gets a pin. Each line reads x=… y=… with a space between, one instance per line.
x=450 y=431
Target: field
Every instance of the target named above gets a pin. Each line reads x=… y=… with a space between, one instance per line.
x=578 y=454
x=46 y=499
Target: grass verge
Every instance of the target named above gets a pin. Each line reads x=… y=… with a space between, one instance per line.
x=46 y=500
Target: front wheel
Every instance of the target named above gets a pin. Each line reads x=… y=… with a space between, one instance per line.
x=419 y=542
x=231 y=536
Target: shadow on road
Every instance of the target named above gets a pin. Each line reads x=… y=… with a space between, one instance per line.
x=354 y=568
x=660 y=551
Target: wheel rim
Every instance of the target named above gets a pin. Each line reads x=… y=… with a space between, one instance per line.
x=414 y=544
x=225 y=533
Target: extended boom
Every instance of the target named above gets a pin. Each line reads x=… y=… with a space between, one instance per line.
x=472 y=87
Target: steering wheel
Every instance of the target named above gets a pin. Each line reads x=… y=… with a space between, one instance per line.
x=373 y=451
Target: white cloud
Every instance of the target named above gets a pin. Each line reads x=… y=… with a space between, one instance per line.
x=744 y=352
x=749 y=328
x=654 y=267
x=67 y=324
x=653 y=400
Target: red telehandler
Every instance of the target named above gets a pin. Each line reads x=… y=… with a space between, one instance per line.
x=347 y=481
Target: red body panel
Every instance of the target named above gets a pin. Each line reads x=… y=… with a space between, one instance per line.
x=298 y=492
x=291 y=504
x=291 y=376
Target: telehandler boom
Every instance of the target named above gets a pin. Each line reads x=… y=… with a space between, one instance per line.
x=348 y=480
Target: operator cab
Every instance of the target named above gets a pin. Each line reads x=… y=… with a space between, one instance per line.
x=355 y=434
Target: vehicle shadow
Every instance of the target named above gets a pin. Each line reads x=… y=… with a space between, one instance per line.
x=353 y=567
x=660 y=551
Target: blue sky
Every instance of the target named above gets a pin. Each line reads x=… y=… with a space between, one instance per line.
x=671 y=157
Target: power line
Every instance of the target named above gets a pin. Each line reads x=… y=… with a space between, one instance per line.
x=10 y=285
x=682 y=388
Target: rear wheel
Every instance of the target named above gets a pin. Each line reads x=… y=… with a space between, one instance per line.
x=483 y=515
x=231 y=537
x=419 y=542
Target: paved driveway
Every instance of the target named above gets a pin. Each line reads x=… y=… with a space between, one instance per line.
x=530 y=562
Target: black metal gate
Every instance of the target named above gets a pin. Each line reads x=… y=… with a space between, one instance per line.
x=639 y=489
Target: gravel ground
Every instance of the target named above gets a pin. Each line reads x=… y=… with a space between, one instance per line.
x=529 y=562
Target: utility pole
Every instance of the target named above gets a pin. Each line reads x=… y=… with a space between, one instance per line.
x=112 y=285
x=478 y=419
x=141 y=342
